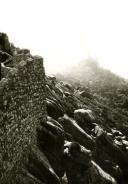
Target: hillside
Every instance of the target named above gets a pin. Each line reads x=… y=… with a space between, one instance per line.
x=109 y=90
x=78 y=123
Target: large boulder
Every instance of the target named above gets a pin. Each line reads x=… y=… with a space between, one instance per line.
x=84 y=118
x=71 y=127
x=100 y=176
x=54 y=122
x=112 y=169
x=80 y=168
x=106 y=148
x=39 y=167
x=51 y=142
x=54 y=109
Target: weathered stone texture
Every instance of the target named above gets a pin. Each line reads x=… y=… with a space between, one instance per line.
x=22 y=106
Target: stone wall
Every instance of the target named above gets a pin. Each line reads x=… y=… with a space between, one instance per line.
x=22 y=106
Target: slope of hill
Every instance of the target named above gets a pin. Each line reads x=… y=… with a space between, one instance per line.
x=84 y=138
x=89 y=73
x=108 y=89
x=66 y=97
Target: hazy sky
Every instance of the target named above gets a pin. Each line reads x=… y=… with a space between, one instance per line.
x=65 y=32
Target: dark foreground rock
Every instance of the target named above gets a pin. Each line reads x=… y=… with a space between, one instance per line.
x=106 y=147
x=80 y=168
x=40 y=168
x=85 y=119
x=51 y=142
x=77 y=132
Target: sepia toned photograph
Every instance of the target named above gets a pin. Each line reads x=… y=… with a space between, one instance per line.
x=64 y=92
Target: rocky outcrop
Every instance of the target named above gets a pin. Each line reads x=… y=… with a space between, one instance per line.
x=85 y=119
x=70 y=126
x=80 y=168
x=85 y=126
x=54 y=109
x=40 y=168
x=71 y=144
x=5 y=45
x=106 y=145
x=51 y=142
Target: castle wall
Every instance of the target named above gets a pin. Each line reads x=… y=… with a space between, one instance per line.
x=22 y=106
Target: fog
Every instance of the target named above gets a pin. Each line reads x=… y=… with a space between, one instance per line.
x=65 y=32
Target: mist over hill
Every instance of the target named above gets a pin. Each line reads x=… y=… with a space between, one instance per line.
x=90 y=74
x=109 y=89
